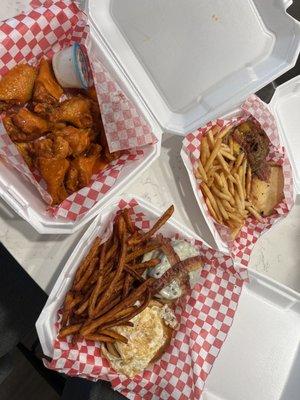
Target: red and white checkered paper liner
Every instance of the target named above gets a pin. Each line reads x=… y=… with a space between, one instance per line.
x=241 y=247
x=45 y=29
x=205 y=317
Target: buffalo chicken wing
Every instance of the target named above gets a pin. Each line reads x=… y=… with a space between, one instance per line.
x=76 y=111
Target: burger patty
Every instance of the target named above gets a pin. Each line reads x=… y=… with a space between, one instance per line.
x=255 y=144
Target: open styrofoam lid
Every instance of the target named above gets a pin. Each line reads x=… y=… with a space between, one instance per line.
x=285 y=105
x=191 y=61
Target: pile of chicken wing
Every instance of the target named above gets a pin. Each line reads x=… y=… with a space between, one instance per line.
x=59 y=133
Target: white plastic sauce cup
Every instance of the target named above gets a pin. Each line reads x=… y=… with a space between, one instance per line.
x=71 y=67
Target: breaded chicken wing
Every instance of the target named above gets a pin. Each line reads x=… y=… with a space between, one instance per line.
x=78 y=139
x=46 y=88
x=17 y=85
x=76 y=111
x=25 y=149
x=85 y=164
x=56 y=147
x=53 y=170
x=25 y=126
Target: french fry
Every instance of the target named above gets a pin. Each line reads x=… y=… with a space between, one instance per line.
x=221 y=195
x=212 y=200
x=213 y=155
x=227 y=155
x=158 y=224
x=69 y=330
x=99 y=338
x=223 y=132
x=128 y=221
x=153 y=245
x=238 y=203
x=211 y=209
x=248 y=181
x=235 y=217
x=222 y=209
x=243 y=175
x=225 y=167
x=231 y=144
x=202 y=171
x=204 y=151
x=89 y=270
x=240 y=190
x=115 y=335
x=86 y=261
x=252 y=211
x=95 y=293
x=210 y=140
x=238 y=162
x=146 y=264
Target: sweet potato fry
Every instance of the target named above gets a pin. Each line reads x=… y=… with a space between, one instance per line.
x=95 y=293
x=100 y=338
x=153 y=245
x=114 y=335
x=86 y=261
x=121 y=264
x=69 y=330
x=127 y=285
x=88 y=272
x=134 y=274
x=158 y=224
x=146 y=264
x=128 y=221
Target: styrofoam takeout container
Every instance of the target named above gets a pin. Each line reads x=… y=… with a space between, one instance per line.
x=191 y=61
x=181 y=64
x=45 y=324
x=260 y=358
x=25 y=200
x=285 y=105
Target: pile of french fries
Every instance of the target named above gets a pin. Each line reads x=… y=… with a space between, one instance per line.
x=225 y=179
x=109 y=288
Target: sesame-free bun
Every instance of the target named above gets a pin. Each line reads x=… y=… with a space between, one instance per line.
x=265 y=196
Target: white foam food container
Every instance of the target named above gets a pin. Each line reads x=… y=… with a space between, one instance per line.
x=285 y=105
x=25 y=200
x=46 y=321
x=260 y=359
x=191 y=61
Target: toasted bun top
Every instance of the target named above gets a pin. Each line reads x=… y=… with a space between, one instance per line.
x=265 y=196
x=147 y=340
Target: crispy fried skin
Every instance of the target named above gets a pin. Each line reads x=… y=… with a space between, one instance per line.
x=85 y=164
x=57 y=147
x=78 y=139
x=17 y=85
x=53 y=170
x=25 y=126
x=46 y=89
x=76 y=111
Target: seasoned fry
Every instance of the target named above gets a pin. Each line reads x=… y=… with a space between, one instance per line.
x=158 y=224
x=211 y=209
x=142 y=250
x=255 y=214
x=95 y=293
x=213 y=155
x=86 y=261
x=146 y=264
x=100 y=338
x=201 y=172
x=204 y=153
x=89 y=270
x=248 y=181
x=129 y=223
x=69 y=330
x=114 y=335
x=240 y=190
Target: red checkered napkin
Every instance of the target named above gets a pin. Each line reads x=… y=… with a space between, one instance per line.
x=205 y=317
x=242 y=246
x=45 y=29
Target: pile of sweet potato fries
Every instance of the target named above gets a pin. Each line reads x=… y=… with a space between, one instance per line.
x=109 y=288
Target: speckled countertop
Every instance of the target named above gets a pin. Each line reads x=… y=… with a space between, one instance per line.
x=276 y=254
